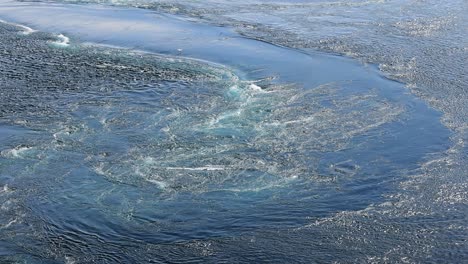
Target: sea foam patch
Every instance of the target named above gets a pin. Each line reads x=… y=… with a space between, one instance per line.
x=62 y=41
x=25 y=29
x=17 y=152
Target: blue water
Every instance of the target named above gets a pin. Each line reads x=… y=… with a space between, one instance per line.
x=150 y=137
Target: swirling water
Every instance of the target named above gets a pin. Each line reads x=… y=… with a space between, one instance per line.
x=263 y=153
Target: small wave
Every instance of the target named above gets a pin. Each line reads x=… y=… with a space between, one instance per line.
x=17 y=152
x=205 y=168
x=7 y=225
x=62 y=41
x=160 y=184
x=8 y=205
x=69 y=260
x=5 y=190
x=262 y=186
x=424 y=28
x=255 y=87
x=26 y=30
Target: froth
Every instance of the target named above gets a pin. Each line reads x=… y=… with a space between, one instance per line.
x=26 y=30
x=63 y=41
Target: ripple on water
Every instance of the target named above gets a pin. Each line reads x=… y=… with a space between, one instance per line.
x=143 y=154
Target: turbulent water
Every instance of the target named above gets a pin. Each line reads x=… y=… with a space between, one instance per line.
x=233 y=144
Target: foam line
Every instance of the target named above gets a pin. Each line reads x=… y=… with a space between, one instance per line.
x=26 y=30
x=62 y=41
x=206 y=168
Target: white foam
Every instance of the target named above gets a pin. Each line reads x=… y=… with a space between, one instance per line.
x=227 y=115
x=205 y=168
x=62 y=41
x=149 y=160
x=267 y=186
x=14 y=153
x=5 y=190
x=7 y=205
x=255 y=87
x=26 y=30
x=160 y=184
x=7 y=225
x=100 y=170
x=69 y=260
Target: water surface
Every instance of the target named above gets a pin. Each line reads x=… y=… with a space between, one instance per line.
x=130 y=135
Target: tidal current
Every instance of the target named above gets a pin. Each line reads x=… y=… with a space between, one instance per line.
x=154 y=132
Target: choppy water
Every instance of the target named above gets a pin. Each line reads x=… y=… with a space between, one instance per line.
x=212 y=147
